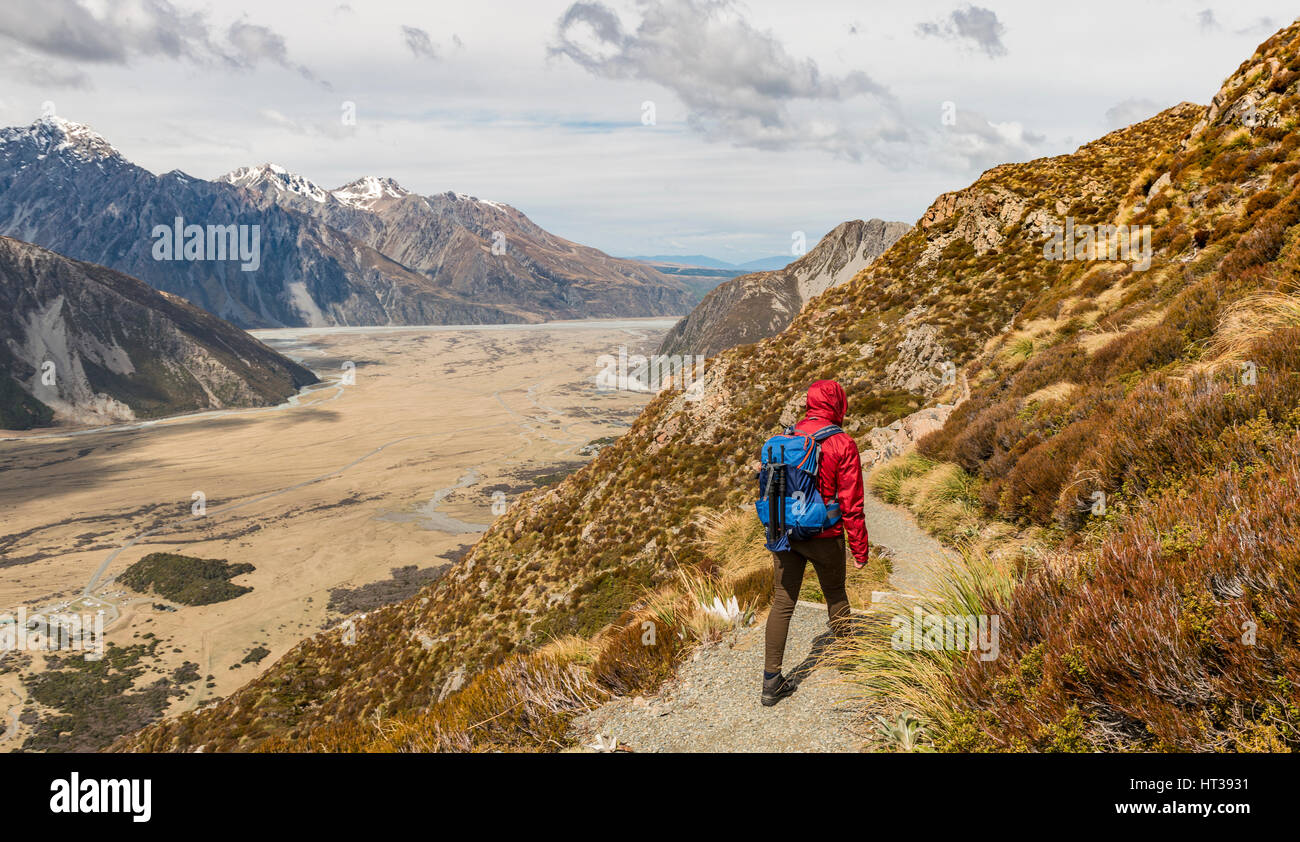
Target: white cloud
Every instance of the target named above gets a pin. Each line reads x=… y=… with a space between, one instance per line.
x=738 y=83
x=67 y=33
x=973 y=25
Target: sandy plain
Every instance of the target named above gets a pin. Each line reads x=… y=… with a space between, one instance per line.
x=438 y=430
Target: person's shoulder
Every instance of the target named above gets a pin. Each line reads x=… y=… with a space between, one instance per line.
x=842 y=439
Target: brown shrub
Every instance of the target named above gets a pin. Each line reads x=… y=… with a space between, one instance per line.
x=1165 y=429
x=1142 y=350
x=1262 y=201
x=1039 y=476
x=1283 y=80
x=627 y=664
x=1178 y=638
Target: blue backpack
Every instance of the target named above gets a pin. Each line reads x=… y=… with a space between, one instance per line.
x=789 y=504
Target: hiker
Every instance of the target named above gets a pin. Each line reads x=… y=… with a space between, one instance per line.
x=838 y=478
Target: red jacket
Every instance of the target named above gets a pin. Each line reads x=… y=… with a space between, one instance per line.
x=839 y=471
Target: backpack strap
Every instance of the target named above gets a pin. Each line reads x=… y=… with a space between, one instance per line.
x=826 y=432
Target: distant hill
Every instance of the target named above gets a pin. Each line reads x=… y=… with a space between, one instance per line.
x=705 y=262
x=760 y=304
x=698 y=260
x=701 y=274
x=767 y=264
x=85 y=344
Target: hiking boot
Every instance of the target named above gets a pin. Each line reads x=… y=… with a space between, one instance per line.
x=775 y=689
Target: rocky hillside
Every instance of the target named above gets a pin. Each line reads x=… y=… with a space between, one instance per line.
x=84 y=344
x=1168 y=381
x=761 y=304
x=479 y=249
x=67 y=188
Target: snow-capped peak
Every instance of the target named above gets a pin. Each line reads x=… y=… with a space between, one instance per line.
x=365 y=191
x=275 y=177
x=54 y=135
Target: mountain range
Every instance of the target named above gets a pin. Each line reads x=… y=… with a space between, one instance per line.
x=705 y=262
x=369 y=253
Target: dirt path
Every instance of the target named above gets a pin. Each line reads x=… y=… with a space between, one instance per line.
x=915 y=552
x=712 y=703
x=10 y=716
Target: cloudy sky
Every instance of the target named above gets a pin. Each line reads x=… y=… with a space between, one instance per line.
x=637 y=126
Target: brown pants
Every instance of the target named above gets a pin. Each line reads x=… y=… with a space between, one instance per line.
x=827 y=557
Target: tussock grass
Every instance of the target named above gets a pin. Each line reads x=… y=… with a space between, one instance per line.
x=886 y=481
x=570 y=648
x=733 y=540
x=524 y=704
x=920 y=682
x=1249 y=321
x=1021 y=349
x=1059 y=391
x=943 y=496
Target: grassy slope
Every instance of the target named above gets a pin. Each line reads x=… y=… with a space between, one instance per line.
x=1170 y=622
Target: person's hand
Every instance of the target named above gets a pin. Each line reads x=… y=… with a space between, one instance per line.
x=859 y=564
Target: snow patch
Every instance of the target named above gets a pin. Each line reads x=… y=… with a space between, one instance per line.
x=275 y=177
x=55 y=135
x=367 y=190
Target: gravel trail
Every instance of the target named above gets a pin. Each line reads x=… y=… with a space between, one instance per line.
x=916 y=554
x=712 y=703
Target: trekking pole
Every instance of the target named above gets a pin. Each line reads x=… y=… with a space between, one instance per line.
x=780 y=499
x=773 y=499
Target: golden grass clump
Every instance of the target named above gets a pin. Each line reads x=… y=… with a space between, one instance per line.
x=1250 y=320
x=943 y=495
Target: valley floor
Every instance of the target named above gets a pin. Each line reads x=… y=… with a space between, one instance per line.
x=325 y=497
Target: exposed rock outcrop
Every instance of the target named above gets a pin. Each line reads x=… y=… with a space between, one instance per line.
x=762 y=304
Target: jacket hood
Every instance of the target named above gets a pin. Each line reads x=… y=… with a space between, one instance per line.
x=826 y=399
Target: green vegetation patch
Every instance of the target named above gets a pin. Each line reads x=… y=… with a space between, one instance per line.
x=19 y=410
x=184 y=579
x=96 y=701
